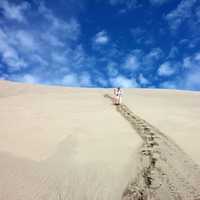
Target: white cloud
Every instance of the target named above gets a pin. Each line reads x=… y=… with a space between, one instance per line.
x=112 y=69
x=85 y=79
x=26 y=46
x=77 y=80
x=9 y=55
x=15 y=64
x=183 y=12
x=192 y=80
x=166 y=69
x=79 y=57
x=14 y=12
x=191 y=61
x=197 y=57
x=28 y=78
x=169 y=85
x=26 y=40
x=68 y=29
x=3 y=76
x=101 y=38
x=143 y=80
x=131 y=62
x=102 y=81
x=39 y=60
x=122 y=81
x=70 y=80
x=154 y=55
x=187 y=62
x=59 y=57
x=52 y=39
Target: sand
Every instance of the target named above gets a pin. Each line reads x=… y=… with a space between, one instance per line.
x=176 y=113
x=71 y=143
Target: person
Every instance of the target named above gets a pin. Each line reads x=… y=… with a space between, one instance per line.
x=118 y=96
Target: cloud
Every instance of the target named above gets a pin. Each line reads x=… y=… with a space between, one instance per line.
x=26 y=40
x=47 y=47
x=35 y=58
x=189 y=78
x=9 y=52
x=68 y=29
x=155 y=53
x=28 y=78
x=70 y=80
x=152 y=57
x=169 y=85
x=85 y=80
x=187 y=62
x=122 y=81
x=3 y=76
x=166 y=69
x=25 y=78
x=112 y=69
x=192 y=61
x=102 y=81
x=142 y=80
x=9 y=55
x=192 y=80
x=77 y=80
x=131 y=62
x=193 y=42
x=182 y=13
x=101 y=38
x=197 y=57
x=15 y=12
x=59 y=57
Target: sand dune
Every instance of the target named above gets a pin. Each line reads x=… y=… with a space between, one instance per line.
x=71 y=143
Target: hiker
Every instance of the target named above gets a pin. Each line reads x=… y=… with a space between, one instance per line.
x=118 y=94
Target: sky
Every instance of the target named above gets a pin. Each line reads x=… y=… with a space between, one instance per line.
x=101 y=43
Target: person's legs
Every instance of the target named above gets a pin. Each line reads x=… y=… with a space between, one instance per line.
x=114 y=100
x=118 y=100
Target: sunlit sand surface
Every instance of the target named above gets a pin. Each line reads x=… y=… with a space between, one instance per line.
x=71 y=143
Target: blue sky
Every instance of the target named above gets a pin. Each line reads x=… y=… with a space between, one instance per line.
x=96 y=43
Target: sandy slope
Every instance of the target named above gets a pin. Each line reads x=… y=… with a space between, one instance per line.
x=71 y=143
x=164 y=170
x=56 y=138
x=176 y=113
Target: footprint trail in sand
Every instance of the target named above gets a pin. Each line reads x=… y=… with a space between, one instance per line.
x=164 y=171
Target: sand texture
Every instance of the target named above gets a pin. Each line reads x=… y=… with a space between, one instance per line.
x=74 y=144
